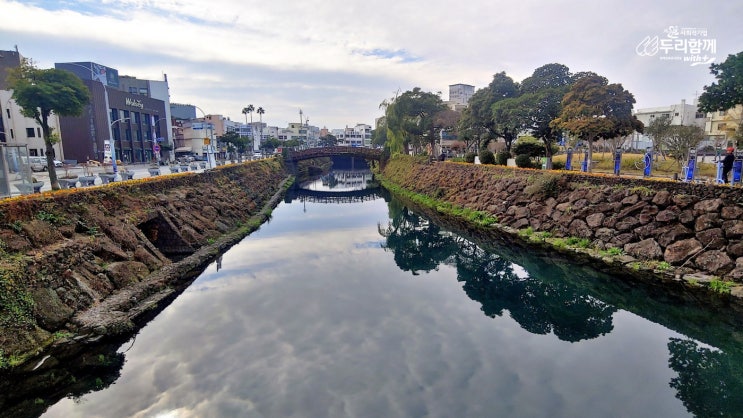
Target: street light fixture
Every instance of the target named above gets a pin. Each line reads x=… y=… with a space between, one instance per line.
x=210 y=147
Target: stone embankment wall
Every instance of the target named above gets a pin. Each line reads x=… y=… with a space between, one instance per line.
x=69 y=259
x=694 y=228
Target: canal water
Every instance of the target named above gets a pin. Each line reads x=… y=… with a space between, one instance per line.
x=355 y=305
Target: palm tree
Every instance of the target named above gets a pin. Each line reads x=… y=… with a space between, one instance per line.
x=246 y=111
x=260 y=113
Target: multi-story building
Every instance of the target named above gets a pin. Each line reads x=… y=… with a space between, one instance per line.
x=680 y=114
x=16 y=129
x=459 y=96
x=182 y=111
x=357 y=136
x=134 y=125
x=721 y=126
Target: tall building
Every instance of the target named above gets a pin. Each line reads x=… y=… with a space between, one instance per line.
x=459 y=95
x=134 y=124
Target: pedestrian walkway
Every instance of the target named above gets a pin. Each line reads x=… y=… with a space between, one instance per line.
x=99 y=174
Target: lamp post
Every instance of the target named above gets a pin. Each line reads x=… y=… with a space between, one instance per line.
x=112 y=143
x=210 y=147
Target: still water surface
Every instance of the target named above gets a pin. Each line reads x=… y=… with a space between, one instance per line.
x=367 y=309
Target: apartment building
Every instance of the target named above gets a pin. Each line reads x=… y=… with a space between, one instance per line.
x=16 y=129
x=459 y=96
x=721 y=126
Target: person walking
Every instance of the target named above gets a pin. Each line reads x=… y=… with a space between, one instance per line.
x=727 y=164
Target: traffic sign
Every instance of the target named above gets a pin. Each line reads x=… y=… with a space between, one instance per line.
x=156 y=148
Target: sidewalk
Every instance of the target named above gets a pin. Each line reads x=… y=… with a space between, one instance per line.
x=140 y=171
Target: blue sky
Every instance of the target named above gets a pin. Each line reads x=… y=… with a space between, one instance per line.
x=337 y=60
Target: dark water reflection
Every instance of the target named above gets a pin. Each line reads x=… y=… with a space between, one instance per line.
x=368 y=309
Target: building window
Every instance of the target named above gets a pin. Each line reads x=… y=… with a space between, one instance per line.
x=676 y=114
x=30 y=133
x=139 y=135
x=38 y=132
x=126 y=113
x=12 y=134
x=32 y=152
x=699 y=115
x=143 y=91
x=7 y=111
x=722 y=113
x=114 y=115
x=136 y=117
x=133 y=90
x=128 y=134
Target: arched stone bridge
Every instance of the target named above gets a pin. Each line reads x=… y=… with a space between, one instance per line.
x=310 y=153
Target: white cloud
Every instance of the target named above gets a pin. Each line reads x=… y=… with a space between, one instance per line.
x=337 y=60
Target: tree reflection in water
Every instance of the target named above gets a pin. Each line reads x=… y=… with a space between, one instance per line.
x=709 y=382
x=538 y=306
x=544 y=297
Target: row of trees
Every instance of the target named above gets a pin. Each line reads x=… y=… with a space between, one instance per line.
x=550 y=103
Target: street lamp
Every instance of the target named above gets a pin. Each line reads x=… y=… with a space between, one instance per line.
x=209 y=148
x=117 y=177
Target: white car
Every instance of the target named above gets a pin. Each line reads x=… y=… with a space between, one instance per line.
x=57 y=163
x=257 y=155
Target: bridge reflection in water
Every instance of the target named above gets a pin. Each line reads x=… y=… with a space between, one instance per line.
x=338 y=186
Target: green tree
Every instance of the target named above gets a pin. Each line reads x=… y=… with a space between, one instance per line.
x=594 y=109
x=681 y=138
x=479 y=117
x=659 y=130
x=260 y=113
x=41 y=92
x=328 y=140
x=235 y=143
x=727 y=92
x=410 y=119
x=248 y=110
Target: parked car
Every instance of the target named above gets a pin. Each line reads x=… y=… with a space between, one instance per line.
x=37 y=163
x=57 y=163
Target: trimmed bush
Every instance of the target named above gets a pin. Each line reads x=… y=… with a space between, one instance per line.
x=523 y=161
x=470 y=157
x=501 y=158
x=487 y=157
x=558 y=165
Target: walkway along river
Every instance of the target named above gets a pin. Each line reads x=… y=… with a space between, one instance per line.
x=374 y=307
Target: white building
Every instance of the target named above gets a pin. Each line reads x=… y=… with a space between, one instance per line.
x=680 y=114
x=459 y=96
x=16 y=129
x=357 y=136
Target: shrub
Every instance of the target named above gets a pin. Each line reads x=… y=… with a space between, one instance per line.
x=487 y=157
x=470 y=157
x=523 y=161
x=501 y=158
x=544 y=186
x=558 y=165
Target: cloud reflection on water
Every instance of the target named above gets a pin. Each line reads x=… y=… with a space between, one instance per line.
x=321 y=324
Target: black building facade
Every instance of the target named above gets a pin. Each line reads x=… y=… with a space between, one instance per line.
x=137 y=123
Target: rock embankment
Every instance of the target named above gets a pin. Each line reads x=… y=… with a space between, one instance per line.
x=66 y=258
x=684 y=228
